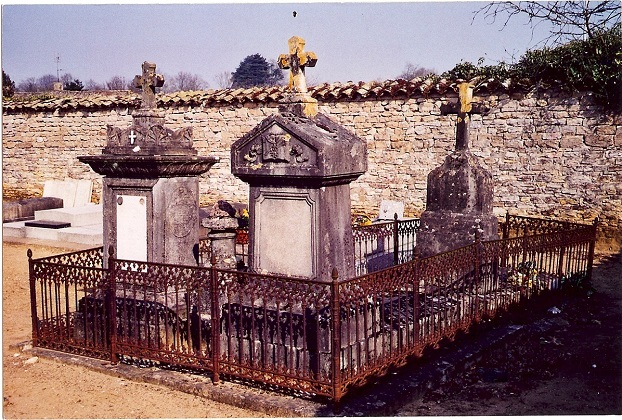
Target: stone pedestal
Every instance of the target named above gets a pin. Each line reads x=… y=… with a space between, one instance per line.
x=459 y=201
x=299 y=165
x=222 y=233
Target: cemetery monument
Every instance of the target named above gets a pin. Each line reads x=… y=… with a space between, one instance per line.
x=460 y=191
x=299 y=165
x=150 y=185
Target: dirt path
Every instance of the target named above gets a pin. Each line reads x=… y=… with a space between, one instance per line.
x=49 y=389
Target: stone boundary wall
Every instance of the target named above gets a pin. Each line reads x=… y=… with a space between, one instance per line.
x=550 y=154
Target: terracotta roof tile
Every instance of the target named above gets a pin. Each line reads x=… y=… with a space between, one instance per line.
x=323 y=92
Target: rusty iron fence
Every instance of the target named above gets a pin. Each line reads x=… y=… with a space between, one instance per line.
x=317 y=337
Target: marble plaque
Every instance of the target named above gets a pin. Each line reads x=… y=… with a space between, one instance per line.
x=132 y=227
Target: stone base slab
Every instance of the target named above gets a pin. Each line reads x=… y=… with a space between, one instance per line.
x=445 y=231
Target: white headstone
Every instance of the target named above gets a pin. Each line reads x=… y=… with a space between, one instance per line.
x=389 y=208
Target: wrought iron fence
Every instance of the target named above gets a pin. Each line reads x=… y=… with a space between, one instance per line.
x=320 y=337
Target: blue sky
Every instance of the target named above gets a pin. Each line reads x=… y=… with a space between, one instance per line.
x=353 y=41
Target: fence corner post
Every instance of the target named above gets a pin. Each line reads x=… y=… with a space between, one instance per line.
x=336 y=337
x=215 y=313
x=478 y=263
x=590 y=257
x=33 y=299
x=111 y=297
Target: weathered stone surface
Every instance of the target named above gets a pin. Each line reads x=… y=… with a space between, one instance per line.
x=459 y=201
x=25 y=209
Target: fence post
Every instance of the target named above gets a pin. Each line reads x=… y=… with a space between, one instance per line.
x=505 y=232
x=336 y=339
x=590 y=257
x=33 y=299
x=111 y=305
x=416 y=287
x=215 y=312
x=396 y=241
x=478 y=262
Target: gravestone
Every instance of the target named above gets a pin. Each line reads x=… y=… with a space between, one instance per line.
x=460 y=191
x=389 y=208
x=222 y=224
x=150 y=184
x=299 y=165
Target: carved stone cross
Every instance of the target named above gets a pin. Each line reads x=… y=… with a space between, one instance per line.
x=148 y=83
x=464 y=108
x=296 y=61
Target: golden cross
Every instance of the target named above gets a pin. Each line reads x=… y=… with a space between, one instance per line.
x=464 y=108
x=296 y=61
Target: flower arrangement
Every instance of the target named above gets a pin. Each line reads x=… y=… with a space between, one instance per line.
x=525 y=274
x=361 y=219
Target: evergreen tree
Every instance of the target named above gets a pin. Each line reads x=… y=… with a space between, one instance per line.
x=73 y=85
x=8 y=86
x=255 y=70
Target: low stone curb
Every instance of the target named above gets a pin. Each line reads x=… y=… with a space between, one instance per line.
x=386 y=396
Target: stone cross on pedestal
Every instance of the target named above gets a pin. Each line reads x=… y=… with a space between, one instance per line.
x=148 y=82
x=463 y=108
x=296 y=61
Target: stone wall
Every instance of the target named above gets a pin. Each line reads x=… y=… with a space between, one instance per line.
x=550 y=154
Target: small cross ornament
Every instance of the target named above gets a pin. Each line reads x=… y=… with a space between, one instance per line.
x=463 y=108
x=132 y=137
x=296 y=61
x=148 y=82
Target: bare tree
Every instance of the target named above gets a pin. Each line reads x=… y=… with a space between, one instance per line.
x=117 y=83
x=184 y=81
x=46 y=83
x=412 y=70
x=570 y=20
x=93 y=85
x=223 y=80
x=28 y=85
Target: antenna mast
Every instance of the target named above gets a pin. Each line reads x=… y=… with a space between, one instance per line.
x=58 y=69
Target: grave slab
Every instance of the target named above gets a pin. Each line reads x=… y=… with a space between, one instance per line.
x=47 y=224
x=76 y=216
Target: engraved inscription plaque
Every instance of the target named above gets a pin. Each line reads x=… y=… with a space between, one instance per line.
x=284 y=243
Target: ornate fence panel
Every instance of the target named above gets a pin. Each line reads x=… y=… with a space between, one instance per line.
x=61 y=289
x=164 y=313
x=275 y=330
x=377 y=324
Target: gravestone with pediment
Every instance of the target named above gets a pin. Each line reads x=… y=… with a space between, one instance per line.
x=460 y=191
x=150 y=184
x=299 y=165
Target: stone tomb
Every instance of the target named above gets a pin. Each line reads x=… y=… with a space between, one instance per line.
x=150 y=185
x=460 y=192
x=299 y=165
